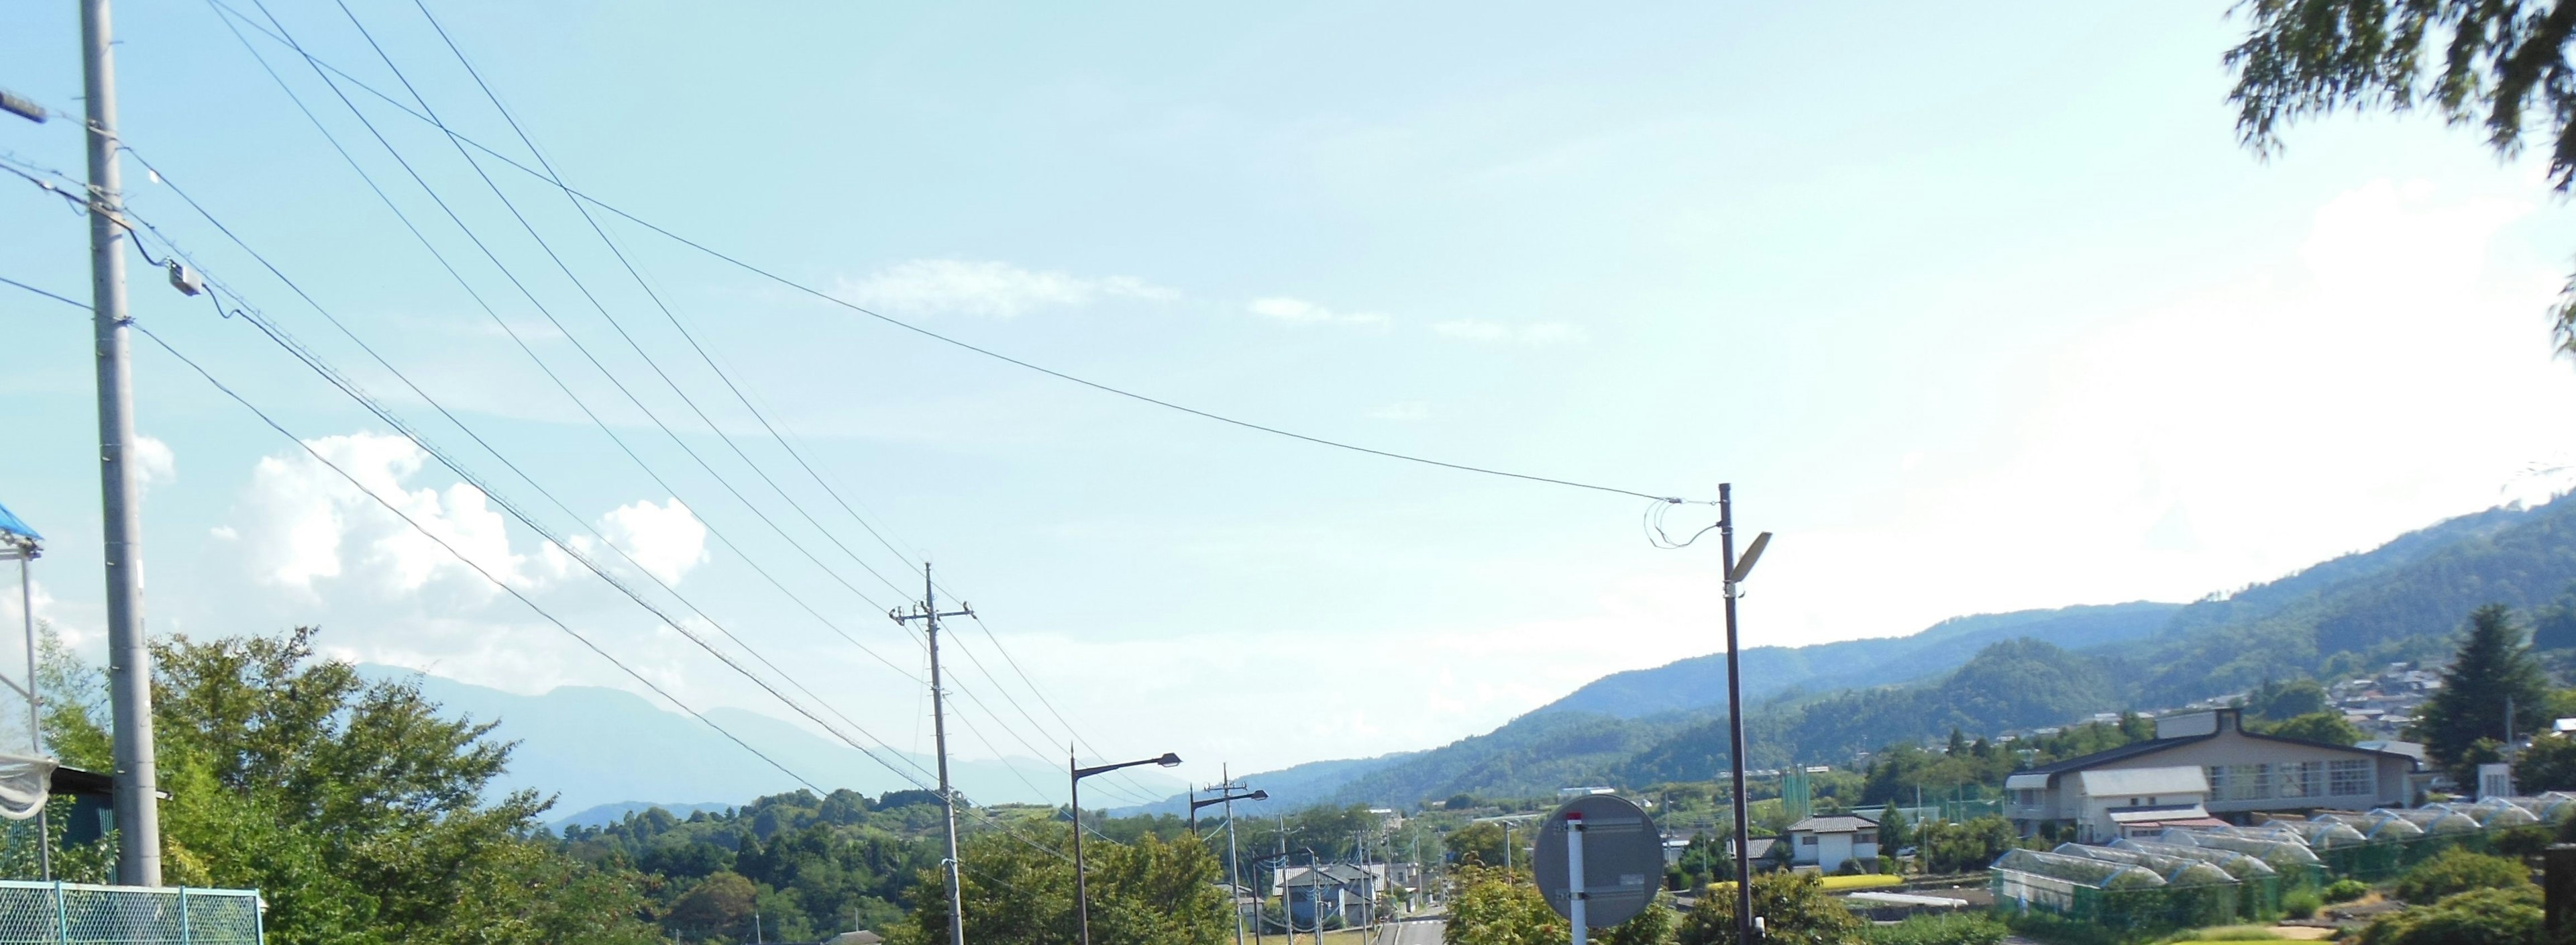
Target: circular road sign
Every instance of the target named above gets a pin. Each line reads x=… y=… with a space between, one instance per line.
x=1623 y=859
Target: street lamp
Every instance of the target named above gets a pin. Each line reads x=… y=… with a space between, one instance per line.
x=1081 y=888
x=1197 y=802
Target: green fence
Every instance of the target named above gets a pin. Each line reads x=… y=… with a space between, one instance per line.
x=82 y=914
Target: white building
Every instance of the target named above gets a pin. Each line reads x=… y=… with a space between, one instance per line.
x=2203 y=765
x=1826 y=843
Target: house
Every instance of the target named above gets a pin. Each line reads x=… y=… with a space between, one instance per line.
x=1828 y=842
x=2201 y=766
x=1339 y=889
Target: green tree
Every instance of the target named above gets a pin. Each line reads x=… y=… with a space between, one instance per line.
x=1794 y=911
x=1497 y=907
x=2491 y=671
x=1964 y=847
x=2281 y=701
x=2548 y=765
x=356 y=807
x=2499 y=64
x=1018 y=888
x=718 y=905
x=2327 y=727
x=2457 y=871
x=2510 y=916
x=1483 y=841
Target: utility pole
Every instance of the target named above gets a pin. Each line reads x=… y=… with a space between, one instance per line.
x=129 y=663
x=1735 y=572
x=928 y=613
x=1233 y=874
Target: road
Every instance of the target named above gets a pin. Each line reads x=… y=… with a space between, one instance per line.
x=1425 y=931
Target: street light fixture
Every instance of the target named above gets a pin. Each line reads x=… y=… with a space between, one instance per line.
x=1197 y=802
x=1082 y=888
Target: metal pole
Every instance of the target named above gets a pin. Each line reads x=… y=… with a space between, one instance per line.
x=1081 y=885
x=129 y=663
x=1287 y=917
x=35 y=716
x=1735 y=720
x=939 y=732
x=1194 y=811
x=1574 y=876
x=1233 y=872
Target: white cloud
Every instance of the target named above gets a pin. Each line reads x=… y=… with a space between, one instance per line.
x=666 y=540
x=992 y=289
x=154 y=464
x=300 y=524
x=1302 y=312
x=1533 y=333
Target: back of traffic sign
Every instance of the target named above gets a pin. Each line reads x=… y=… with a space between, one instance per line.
x=1622 y=860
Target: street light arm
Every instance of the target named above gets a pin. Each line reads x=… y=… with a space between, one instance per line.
x=1167 y=760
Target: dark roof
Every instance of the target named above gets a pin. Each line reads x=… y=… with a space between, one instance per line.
x=1835 y=823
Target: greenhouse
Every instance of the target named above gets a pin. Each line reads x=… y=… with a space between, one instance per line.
x=2114 y=895
x=2551 y=808
x=2436 y=821
x=2259 y=885
x=2374 y=829
x=2299 y=866
x=2495 y=813
x=2199 y=891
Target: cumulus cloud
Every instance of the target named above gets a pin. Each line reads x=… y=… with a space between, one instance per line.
x=1302 y=312
x=1533 y=333
x=299 y=524
x=154 y=464
x=990 y=289
x=666 y=539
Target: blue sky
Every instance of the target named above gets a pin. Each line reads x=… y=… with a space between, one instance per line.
x=1979 y=310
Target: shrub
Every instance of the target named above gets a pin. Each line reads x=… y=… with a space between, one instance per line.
x=1794 y=906
x=2301 y=905
x=1849 y=868
x=2528 y=840
x=2457 y=871
x=2346 y=890
x=2510 y=916
x=2058 y=930
x=1951 y=929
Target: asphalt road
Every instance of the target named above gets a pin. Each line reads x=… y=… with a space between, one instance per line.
x=1417 y=932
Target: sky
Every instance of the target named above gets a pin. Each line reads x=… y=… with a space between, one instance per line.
x=1977 y=309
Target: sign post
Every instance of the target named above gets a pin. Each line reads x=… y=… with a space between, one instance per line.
x=1599 y=862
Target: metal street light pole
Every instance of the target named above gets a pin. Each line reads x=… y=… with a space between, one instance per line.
x=1081 y=885
x=1735 y=572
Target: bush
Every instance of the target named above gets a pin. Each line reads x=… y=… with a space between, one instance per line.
x=2528 y=840
x=2058 y=930
x=2301 y=905
x=2509 y=916
x=1952 y=929
x=2346 y=890
x=1794 y=906
x=2456 y=871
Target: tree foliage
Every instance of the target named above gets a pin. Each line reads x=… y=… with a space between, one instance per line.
x=2549 y=764
x=2457 y=871
x=356 y=807
x=2493 y=670
x=2508 y=916
x=2327 y=727
x=2500 y=64
x=1019 y=888
x=1965 y=847
x=1794 y=911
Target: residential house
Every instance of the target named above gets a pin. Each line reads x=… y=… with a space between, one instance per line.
x=1342 y=890
x=2203 y=765
x=1828 y=842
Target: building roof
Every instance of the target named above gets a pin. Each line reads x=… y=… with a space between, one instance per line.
x=2178 y=779
x=860 y=937
x=1755 y=848
x=1835 y=823
x=2154 y=745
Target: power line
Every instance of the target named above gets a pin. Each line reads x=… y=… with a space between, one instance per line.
x=924 y=332
x=83 y=306
x=460 y=556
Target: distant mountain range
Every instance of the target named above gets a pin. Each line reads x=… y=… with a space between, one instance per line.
x=593 y=747
x=1987 y=673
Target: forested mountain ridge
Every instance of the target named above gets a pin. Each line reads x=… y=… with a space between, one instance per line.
x=2400 y=601
x=1769 y=671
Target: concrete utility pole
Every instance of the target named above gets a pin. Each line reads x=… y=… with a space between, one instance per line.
x=1745 y=925
x=928 y=613
x=129 y=662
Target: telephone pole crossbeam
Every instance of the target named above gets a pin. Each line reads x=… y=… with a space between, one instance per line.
x=929 y=614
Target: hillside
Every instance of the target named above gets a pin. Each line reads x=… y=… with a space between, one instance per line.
x=1700 y=681
x=1990 y=673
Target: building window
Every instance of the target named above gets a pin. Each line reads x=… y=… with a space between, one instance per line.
x=2352 y=778
x=1807 y=841
x=2026 y=797
x=2218 y=783
x=2246 y=782
x=2300 y=778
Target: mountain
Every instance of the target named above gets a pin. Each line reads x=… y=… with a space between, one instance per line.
x=591 y=746
x=1985 y=674
x=1769 y=671
x=606 y=814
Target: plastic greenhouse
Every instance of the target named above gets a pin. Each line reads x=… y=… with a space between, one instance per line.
x=2111 y=894
x=2259 y=890
x=2376 y=829
x=2299 y=866
x=2436 y=821
x=2199 y=892
x=2496 y=813
x=2551 y=808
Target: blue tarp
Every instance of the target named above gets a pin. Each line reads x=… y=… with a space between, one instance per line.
x=11 y=527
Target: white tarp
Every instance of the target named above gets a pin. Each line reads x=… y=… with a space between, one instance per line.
x=24 y=784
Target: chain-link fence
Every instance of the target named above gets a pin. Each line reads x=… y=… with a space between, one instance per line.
x=82 y=914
